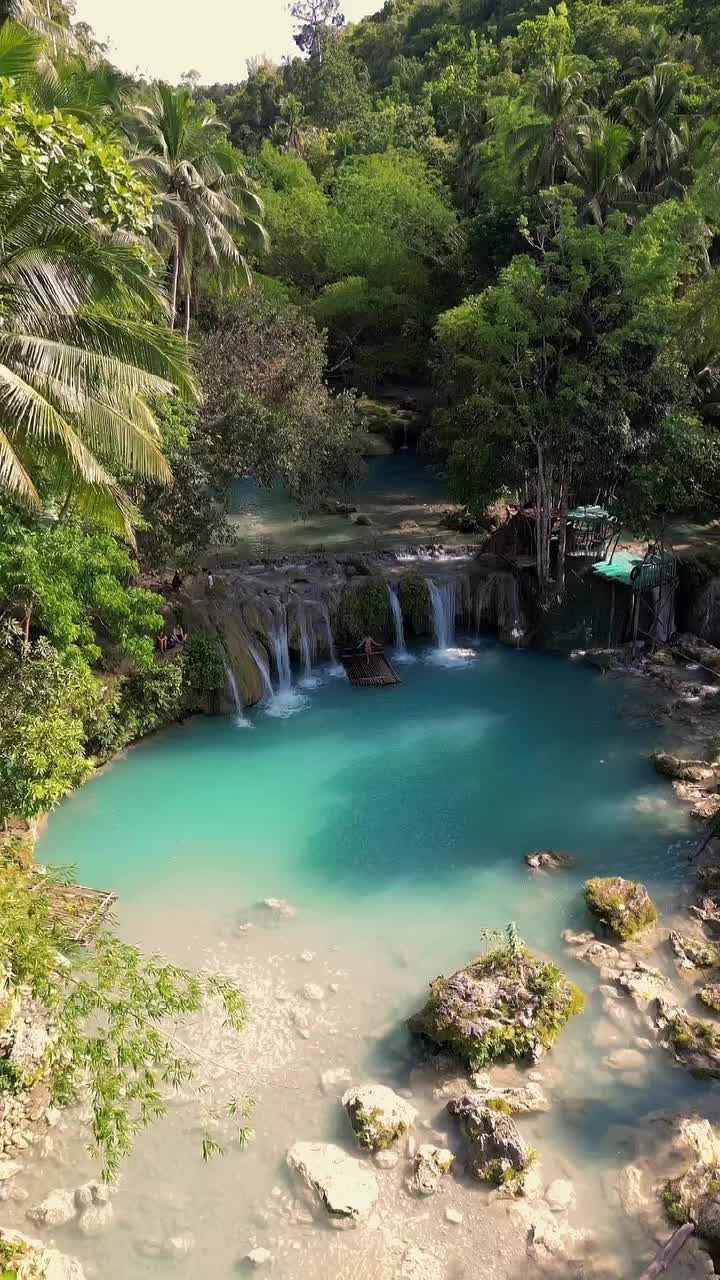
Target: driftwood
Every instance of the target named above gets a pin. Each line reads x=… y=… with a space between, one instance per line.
x=669 y=1252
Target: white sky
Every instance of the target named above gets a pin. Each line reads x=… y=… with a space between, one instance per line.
x=165 y=38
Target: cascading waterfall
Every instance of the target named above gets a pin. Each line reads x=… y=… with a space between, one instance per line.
x=237 y=701
x=335 y=665
x=281 y=650
x=394 y=599
x=307 y=641
x=443 y=597
x=260 y=661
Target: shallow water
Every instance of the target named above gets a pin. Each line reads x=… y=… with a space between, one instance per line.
x=400 y=489
x=396 y=821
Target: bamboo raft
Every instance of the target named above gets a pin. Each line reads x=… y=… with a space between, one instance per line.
x=369 y=672
x=79 y=909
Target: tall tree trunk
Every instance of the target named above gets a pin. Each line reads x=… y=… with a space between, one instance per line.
x=562 y=529
x=187 y=313
x=176 y=276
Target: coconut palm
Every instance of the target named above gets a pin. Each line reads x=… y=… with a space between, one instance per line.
x=91 y=90
x=205 y=199
x=657 y=118
x=81 y=360
x=545 y=147
x=600 y=168
x=46 y=18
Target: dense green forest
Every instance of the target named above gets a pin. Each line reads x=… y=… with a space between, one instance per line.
x=511 y=208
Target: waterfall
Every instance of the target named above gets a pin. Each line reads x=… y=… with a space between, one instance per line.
x=281 y=651
x=329 y=637
x=307 y=641
x=397 y=619
x=443 y=600
x=237 y=701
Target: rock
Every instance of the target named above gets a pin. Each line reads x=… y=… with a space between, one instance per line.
x=429 y=1165
x=695 y=1197
x=708 y=912
x=335 y=1080
x=387 y=1159
x=378 y=1116
x=54 y=1211
x=698 y=1135
x=601 y=954
x=258 y=1258
x=507 y=1003
x=179 y=1247
x=454 y=1216
x=38 y=1103
x=625 y=906
x=9 y=1168
x=419 y=1264
x=312 y=991
x=362 y=519
x=642 y=983
x=496 y=1151
x=694 y=1041
x=633 y=1196
x=36 y=1262
x=345 y=1187
x=91 y=1193
x=31 y=1040
x=560 y=1196
x=625 y=1060
x=96 y=1218
x=332 y=507
x=682 y=770
x=551 y=1243
x=692 y=953
x=515 y=1100
x=548 y=859
x=710 y=996
x=307 y=957
x=278 y=908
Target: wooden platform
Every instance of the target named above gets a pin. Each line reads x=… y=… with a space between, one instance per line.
x=374 y=671
x=78 y=909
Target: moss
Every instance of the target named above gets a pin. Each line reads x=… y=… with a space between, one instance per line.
x=623 y=905
x=11 y=1078
x=10 y=1255
x=415 y=603
x=370 y=1134
x=499 y=1104
x=673 y=1201
x=710 y=876
x=365 y=611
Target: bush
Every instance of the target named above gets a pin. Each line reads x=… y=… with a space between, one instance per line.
x=365 y=611
x=204 y=665
x=415 y=601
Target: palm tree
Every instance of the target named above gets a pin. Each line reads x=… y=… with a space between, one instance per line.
x=545 y=147
x=81 y=359
x=90 y=90
x=204 y=195
x=656 y=116
x=600 y=169
x=45 y=18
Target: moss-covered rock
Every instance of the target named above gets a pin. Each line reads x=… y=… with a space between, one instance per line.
x=364 y=610
x=695 y=1043
x=415 y=604
x=378 y=1115
x=692 y=953
x=709 y=875
x=496 y=1151
x=710 y=996
x=623 y=905
x=507 y=1004
x=695 y=1197
x=680 y=769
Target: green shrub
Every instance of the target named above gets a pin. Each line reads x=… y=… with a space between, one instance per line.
x=365 y=611
x=204 y=664
x=415 y=602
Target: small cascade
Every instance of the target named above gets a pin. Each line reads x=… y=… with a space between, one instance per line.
x=396 y=611
x=237 y=701
x=281 y=650
x=307 y=641
x=443 y=598
x=335 y=668
x=260 y=661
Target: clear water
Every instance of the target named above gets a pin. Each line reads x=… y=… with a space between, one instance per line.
x=396 y=821
x=398 y=490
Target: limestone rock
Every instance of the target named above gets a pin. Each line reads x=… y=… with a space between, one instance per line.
x=625 y=1060
x=345 y=1187
x=96 y=1218
x=278 y=908
x=710 y=996
x=517 y=1100
x=258 y=1258
x=502 y=1004
x=560 y=1196
x=312 y=991
x=695 y=1197
x=335 y=1080
x=694 y=1041
x=625 y=906
x=454 y=1216
x=631 y=1190
x=8 y=1169
x=429 y=1165
x=92 y=1193
x=641 y=982
x=54 y=1211
x=36 y=1262
x=708 y=912
x=378 y=1115
x=692 y=953
x=682 y=770
x=496 y=1151
x=698 y=1135
x=551 y=1243
x=179 y=1247
x=548 y=859
x=387 y=1159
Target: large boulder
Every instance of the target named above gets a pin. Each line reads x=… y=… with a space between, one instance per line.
x=346 y=1188
x=548 y=860
x=692 y=953
x=496 y=1151
x=505 y=1004
x=623 y=905
x=378 y=1115
x=695 y=1197
x=694 y=1041
x=54 y=1211
x=681 y=770
x=514 y=1100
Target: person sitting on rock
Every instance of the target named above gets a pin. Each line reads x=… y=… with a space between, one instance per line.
x=179 y=636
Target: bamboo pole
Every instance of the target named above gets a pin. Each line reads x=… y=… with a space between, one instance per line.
x=667 y=1255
